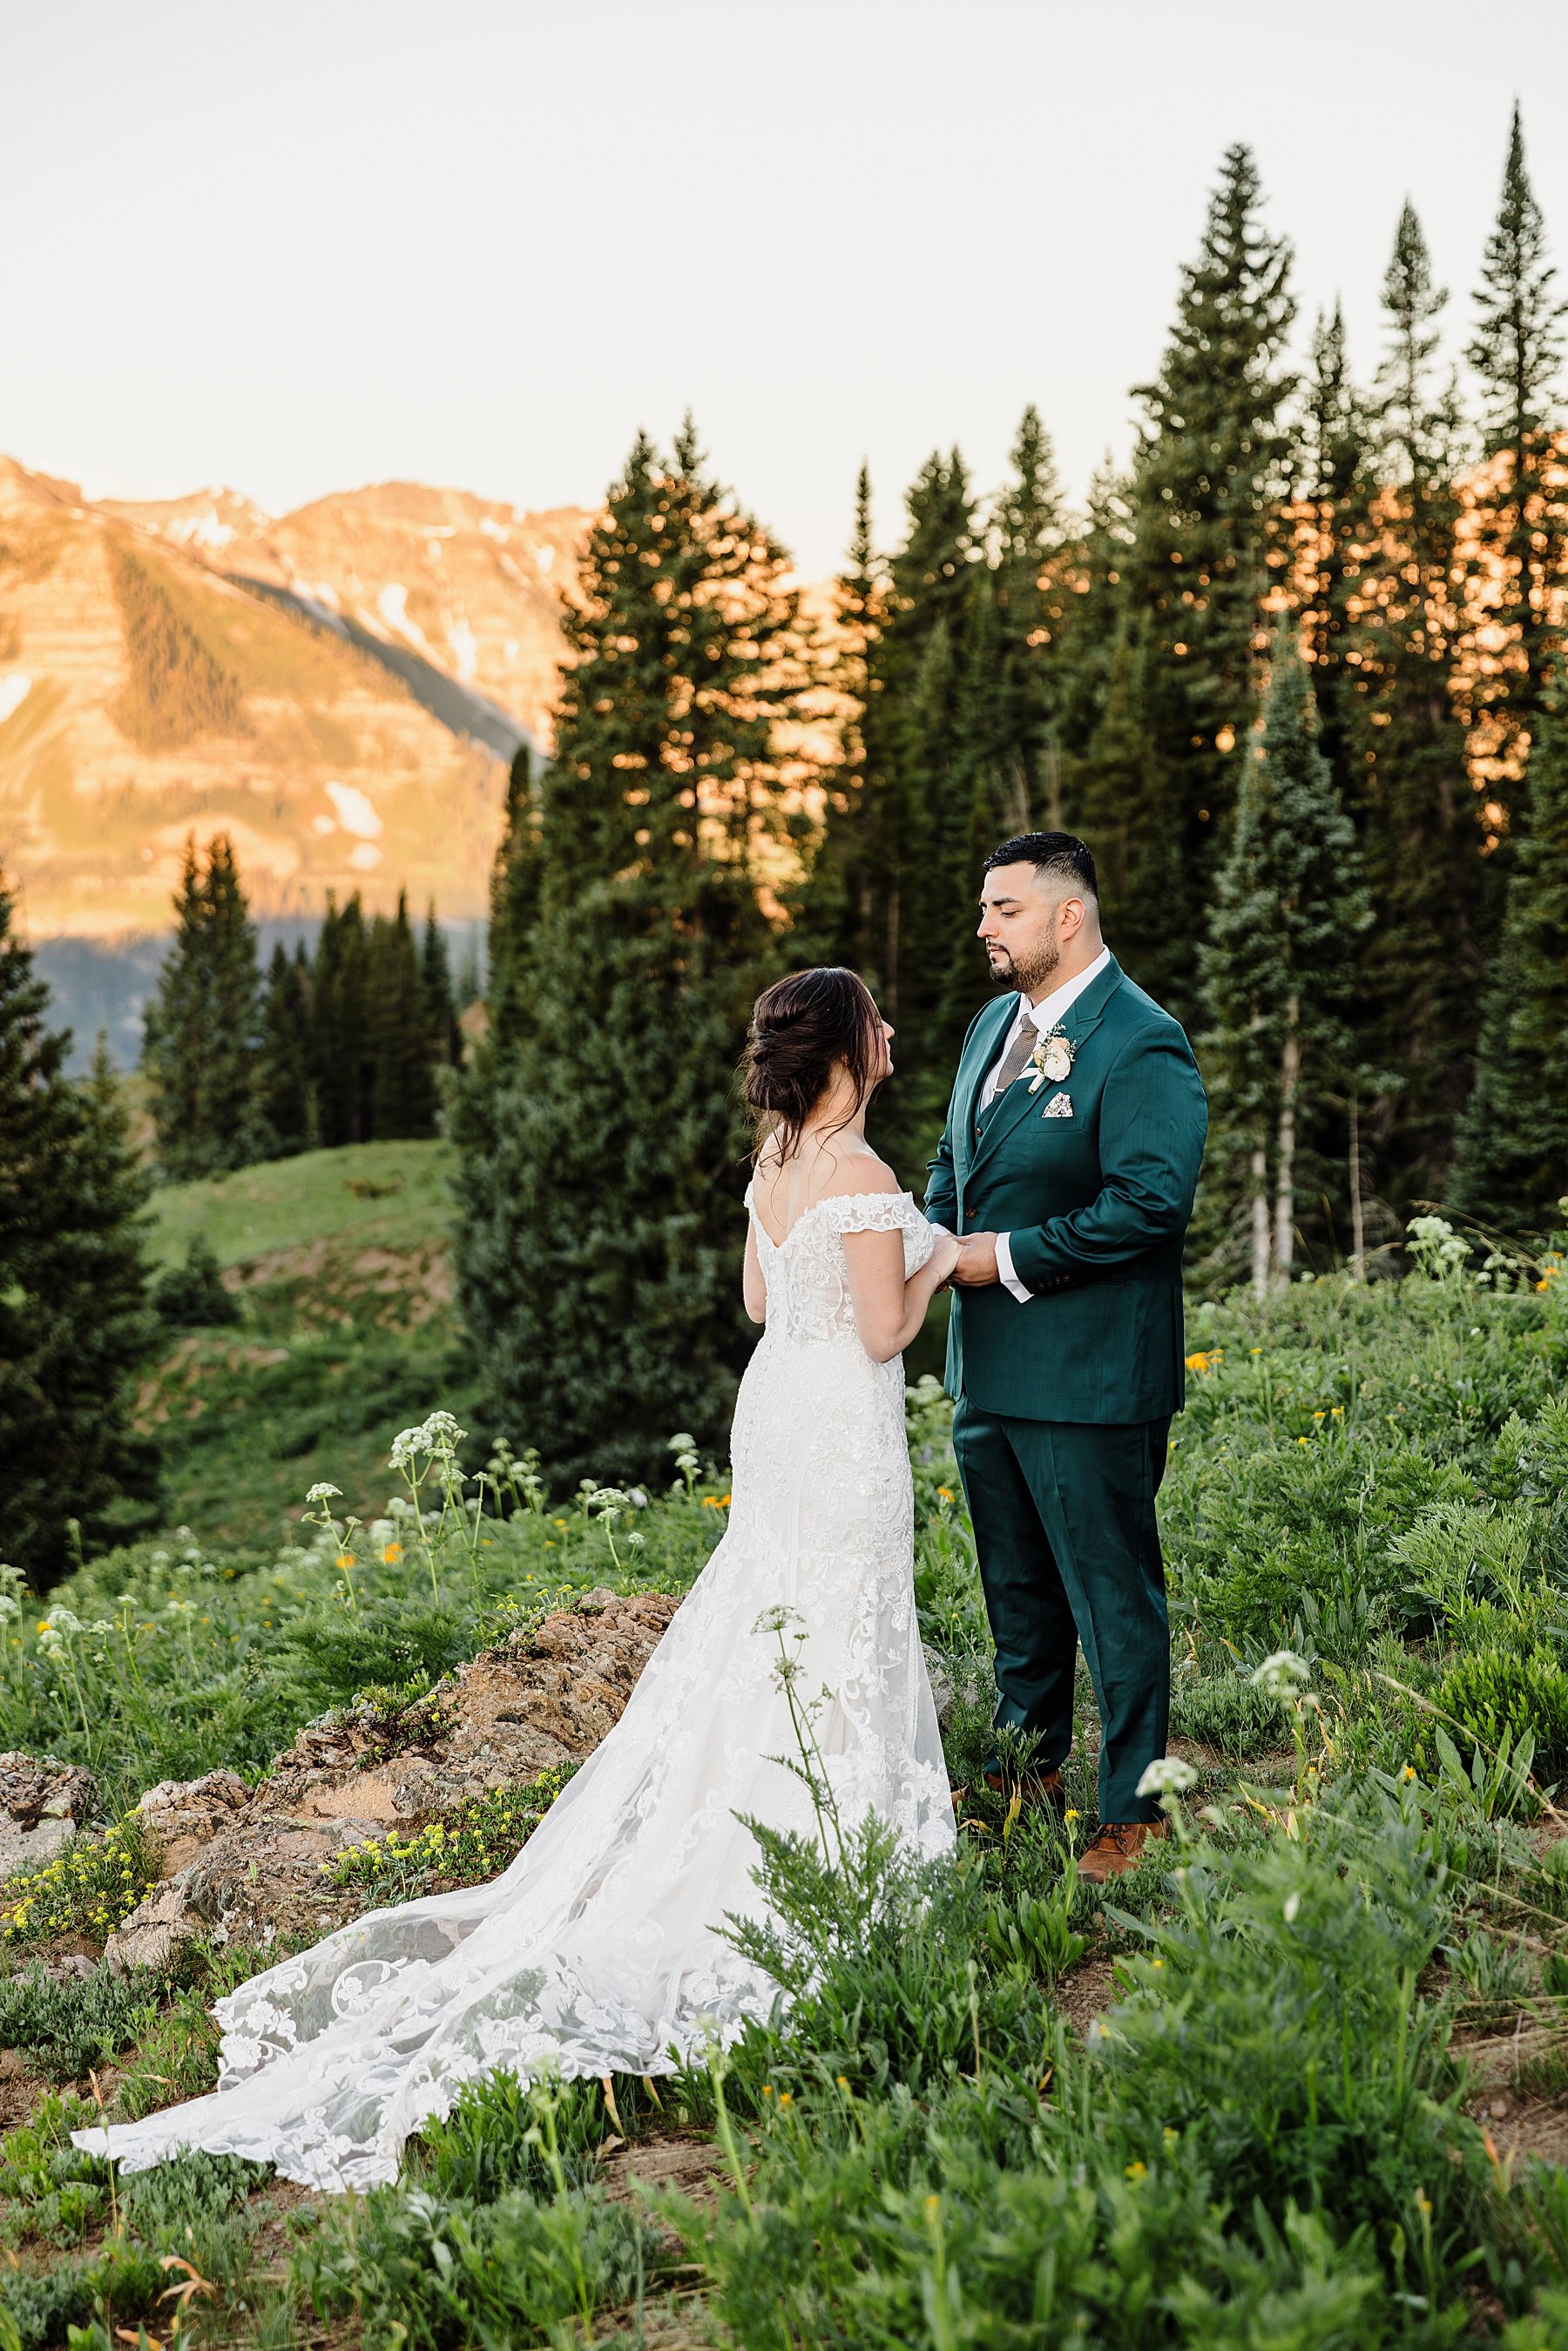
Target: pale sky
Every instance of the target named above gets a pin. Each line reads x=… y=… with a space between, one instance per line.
x=294 y=248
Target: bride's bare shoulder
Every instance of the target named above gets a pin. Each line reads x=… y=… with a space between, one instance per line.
x=860 y=1171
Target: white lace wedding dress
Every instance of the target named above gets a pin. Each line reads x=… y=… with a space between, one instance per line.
x=598 y=1949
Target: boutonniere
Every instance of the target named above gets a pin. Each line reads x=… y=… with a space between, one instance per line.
x=1052 y=1059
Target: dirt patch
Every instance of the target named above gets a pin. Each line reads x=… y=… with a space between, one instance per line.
x=1085 y=1992
x=20 y=2090
x=694 y=2167
x=1521 y=2117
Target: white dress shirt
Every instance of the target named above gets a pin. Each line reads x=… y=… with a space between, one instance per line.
x=1045 y=1016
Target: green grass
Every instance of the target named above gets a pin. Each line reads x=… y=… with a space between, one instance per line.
x=390 y=1196
x=1268 y=2138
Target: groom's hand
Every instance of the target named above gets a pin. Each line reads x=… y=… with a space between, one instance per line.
x=977 y=1266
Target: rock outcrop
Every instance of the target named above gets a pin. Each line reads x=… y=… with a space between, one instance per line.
x=249 y=1863
x=41 y=1807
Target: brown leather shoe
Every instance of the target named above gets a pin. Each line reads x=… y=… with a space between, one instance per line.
x=1118 y=1846
x=1035 y=1787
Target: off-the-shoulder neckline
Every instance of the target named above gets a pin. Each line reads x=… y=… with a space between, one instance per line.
x=826 y=1201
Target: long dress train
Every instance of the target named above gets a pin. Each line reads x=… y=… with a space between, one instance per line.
x=600 y=1948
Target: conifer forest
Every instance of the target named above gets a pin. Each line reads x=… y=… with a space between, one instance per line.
x=368 y=1360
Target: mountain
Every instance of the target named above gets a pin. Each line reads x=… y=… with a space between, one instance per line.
x=466 y=586
x=337 y=689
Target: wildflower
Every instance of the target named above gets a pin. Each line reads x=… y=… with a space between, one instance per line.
x=1136 y=2171
x=1301 y=1440
x=345 y=1559
x=710 y=1502
x=323 y=1493
x=1320 y=1415
x=785 y=2099
x=944 y=1493
x=724 y=1500
x=391 y=1553
x=1167 y=1775
x=1338 y=1412
x=1282 y=1675
x=1408 y=1774
x=1070 y=1814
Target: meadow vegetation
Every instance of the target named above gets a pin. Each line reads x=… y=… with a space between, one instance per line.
x=1250 y=2097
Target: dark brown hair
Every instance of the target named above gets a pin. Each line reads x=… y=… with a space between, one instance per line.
x=799 y=1027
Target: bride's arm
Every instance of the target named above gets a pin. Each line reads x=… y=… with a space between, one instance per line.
x=753 y=1287
x=888 y=1309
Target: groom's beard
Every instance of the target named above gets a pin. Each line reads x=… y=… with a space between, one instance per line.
x=1028 y=974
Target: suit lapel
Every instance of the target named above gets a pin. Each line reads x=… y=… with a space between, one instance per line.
x=1082 y=1017
x=982 y=1053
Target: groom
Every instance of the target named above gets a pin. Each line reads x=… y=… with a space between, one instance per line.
x=1067 y=1170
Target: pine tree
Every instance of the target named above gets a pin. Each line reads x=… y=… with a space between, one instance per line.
x=403 y=1102
x=1210 y=472
x=1115 y=805
x=1333 y=538
x=1279 y=966
x=202 y=1030
x=1026 y=613
x=1512 y=1165
x=514 y=906
x=283 y=1061
x=1419 y=1002
x=74 y=1327
x=853 y=907
x=440 y=1005
x=601 y=1155
x=924 y=662
x=342 y=1071
x=1517 y=353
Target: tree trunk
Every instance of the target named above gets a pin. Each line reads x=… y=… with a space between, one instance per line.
x=1285 y=1170
x=1259 y=1222
x=1357 y=1210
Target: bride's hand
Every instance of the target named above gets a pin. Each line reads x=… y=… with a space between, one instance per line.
x=945 y=1255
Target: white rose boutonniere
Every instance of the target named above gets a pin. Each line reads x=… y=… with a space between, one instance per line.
x=1052 y=1059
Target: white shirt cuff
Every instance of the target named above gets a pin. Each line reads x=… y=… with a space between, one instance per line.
x=1004 y=1268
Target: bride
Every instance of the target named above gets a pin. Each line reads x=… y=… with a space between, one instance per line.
x=600 y=1949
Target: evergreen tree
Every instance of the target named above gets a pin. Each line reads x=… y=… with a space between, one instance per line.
x=1517 y=352
x=1335 y=533
x=1420 y=995
x=401 y=1074
x=1210 y=472
x=853 y=907
x=515 y=905
x=1279 y=966
x=1086 y=616
x=601 y=1170
x=342 y=1073
x=440 y=1004
x=924 y=666
x=1026 y=613
x=74 y=1327
x=1115 y=805
x=1512 y=1165
x=283 y=1061
x=202 y=1030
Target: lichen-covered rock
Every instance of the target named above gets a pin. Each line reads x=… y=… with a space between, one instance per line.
x=42 y=1806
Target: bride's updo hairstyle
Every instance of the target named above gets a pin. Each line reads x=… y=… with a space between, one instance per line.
x=803 y=1027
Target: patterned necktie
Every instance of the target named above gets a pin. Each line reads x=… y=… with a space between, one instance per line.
x=1015 y=1061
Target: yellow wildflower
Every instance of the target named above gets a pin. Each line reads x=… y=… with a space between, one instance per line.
x=1136 y=2171
x=391 y=1554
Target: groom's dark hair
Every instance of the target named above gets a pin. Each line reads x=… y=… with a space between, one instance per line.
x=1061 y=855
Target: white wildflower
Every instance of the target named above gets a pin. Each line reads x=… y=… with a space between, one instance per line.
x=1284 y=1674
x=1167 y=1775
x=322 y=1492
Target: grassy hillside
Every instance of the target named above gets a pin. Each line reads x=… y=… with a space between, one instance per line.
x=342 y=1265
x=389 y=1196
x=1302 y=2081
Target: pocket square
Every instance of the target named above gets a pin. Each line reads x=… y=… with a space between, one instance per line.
x=1059 y=1106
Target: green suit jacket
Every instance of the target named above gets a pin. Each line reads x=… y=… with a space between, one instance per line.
x=1097 y=1204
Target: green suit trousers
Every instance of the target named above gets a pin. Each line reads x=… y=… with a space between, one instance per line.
x=1063 y=1514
